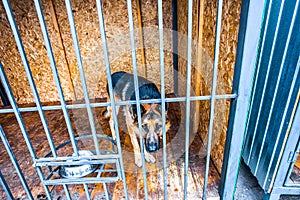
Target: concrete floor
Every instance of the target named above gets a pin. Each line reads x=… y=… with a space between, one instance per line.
x=249 y=189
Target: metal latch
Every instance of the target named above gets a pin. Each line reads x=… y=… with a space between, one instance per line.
x=293 y=156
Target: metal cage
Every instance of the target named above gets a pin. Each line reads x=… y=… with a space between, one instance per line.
x=249 y=50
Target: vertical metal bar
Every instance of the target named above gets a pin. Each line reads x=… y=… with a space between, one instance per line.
x=5 y=187
x=246 y=57
x=213 y=94
x=112 y=99
x=106 y=191
x=175 y=45
x=15 y=163
x=276 y=90
x=188 y=94
x=265 y=86
x=21 y=124
x=82 y=76
x=29 y=74
x=137 y=94
x=256 y=79
x=86 y=189
x=55 y=74
x=67 y=192
x=16 y=111
x=162 y=86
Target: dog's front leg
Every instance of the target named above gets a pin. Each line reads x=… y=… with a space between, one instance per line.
x=108 y=114
x=136 y=146
x=133 y=131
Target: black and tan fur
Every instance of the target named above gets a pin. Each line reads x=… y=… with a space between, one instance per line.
x=123 y=84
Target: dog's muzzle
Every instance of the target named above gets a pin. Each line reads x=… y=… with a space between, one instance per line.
x=152 y=144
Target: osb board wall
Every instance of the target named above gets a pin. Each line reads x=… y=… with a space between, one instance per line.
x=36 y=54
x=229 y=35
x=87 y=25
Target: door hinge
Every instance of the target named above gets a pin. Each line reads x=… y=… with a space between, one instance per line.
x=293 y=156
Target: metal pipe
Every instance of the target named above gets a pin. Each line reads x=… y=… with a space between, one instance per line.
x=162 y=90
x=213 y=94
x=55 y=73
x=137 y=94
x=106 y=191
x=188 y=94
x=21 y=124
x=122 y=103
x=86 y=189
x=112 y=99
x=19 y=43
x=15 y=163
x=6 y=188
x=82 y=75
x=67 y=192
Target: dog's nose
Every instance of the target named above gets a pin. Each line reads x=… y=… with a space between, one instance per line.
x=152 y=146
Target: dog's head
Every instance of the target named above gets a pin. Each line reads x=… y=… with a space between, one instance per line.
x=151 y=124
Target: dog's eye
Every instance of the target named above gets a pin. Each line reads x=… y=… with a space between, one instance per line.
x=157 y=127
x=145 y=127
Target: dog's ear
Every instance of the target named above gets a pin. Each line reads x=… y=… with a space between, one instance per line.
x=133 y=112
x=159 y=108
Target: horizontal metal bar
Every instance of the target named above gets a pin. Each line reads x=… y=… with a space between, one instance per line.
x=292 y=185
x=73 y=163
x=81 y=181
x=83 y=160
x=291 y=190
x=121 y=103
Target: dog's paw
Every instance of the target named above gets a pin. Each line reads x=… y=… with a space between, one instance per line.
x=149 y=158
x=138 y=159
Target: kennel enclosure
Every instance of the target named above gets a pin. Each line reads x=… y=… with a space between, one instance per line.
x=251 y=35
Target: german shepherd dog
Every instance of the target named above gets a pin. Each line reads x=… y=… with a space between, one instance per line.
x=123 y=85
